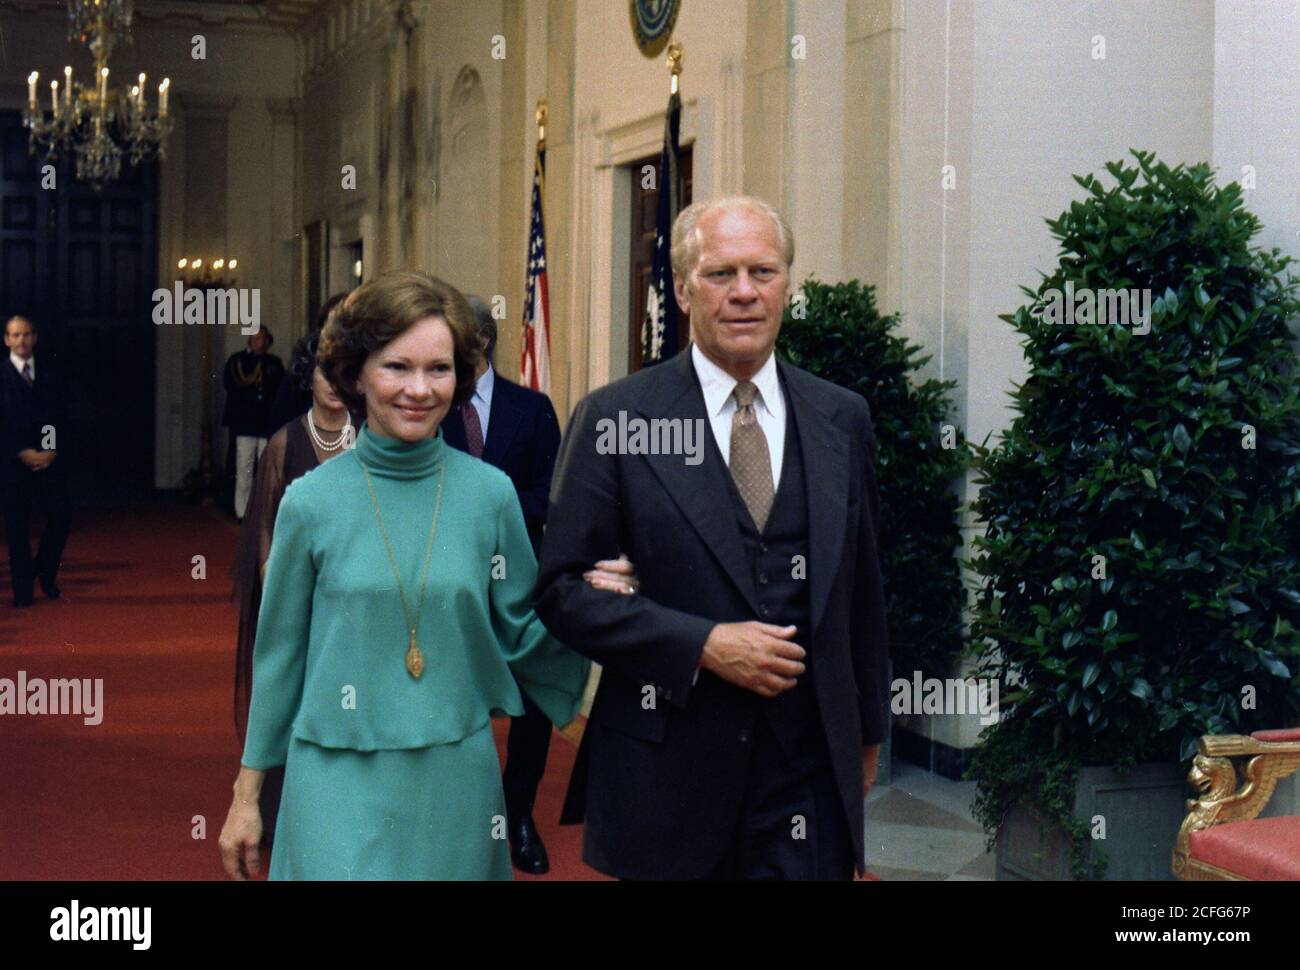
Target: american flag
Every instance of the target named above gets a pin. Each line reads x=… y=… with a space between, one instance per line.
x=535 y=363
x=659 y=328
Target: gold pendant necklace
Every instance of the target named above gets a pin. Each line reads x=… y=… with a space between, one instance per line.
x=414 y=658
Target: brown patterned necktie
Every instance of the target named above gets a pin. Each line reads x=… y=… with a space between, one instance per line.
x=473 y=429
x=27 y=373
x=751 y=462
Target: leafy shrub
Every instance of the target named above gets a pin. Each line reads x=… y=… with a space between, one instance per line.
x=1140 y=584
x=839 y=335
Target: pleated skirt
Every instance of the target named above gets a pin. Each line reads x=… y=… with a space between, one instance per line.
x=435 y=813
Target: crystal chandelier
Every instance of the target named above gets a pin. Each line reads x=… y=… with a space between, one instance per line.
x=95 y=122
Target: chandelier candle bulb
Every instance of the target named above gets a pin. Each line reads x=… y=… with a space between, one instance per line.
x=162 y=96
x=103 y=85
x=31 y=90
x=67 y=86
x=54 y=97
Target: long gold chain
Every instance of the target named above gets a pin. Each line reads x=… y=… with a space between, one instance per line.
x=414 y=658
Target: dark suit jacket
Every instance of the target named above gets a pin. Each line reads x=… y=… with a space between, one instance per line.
x=522 y=440
x=662 y=768
x=24 y=411
x=248 y=409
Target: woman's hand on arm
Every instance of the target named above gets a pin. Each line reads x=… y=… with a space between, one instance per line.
x=241 y=836
x=616 y=575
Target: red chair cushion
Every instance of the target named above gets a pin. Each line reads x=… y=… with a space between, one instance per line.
x=1278 y=734
x=1261 y=848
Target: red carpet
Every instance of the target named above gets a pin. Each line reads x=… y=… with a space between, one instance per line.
x=128 y=798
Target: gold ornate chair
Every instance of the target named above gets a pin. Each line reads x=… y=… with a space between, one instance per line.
x=1221 y=838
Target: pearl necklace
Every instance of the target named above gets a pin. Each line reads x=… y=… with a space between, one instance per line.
x=344 y=435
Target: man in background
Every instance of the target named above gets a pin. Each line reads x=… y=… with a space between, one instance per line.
x=514 y=429
x=31 y=469
x=251 y=379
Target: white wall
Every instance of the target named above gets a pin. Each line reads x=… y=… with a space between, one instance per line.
x=1043 y=108
x=1257 y=110
x=620 y=85
x=353 y=101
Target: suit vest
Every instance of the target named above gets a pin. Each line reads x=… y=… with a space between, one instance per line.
x=778 y=558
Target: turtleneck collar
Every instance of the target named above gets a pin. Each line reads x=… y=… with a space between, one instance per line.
x=391 y=458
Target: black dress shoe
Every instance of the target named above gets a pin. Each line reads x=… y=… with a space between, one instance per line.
x=51 y=589
x=22 y=601
x=526 y=849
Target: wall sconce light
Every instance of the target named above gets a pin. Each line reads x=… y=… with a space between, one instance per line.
x=216 y=272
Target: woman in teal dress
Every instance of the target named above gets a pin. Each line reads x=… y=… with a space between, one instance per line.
x=396 y=608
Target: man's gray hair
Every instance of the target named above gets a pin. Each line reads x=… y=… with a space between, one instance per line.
x=486 y=323
x=686 y=238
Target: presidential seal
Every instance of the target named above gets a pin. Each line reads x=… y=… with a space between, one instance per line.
x=652 y=23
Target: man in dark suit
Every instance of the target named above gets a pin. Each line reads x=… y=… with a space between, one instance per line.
x=31 y=469
x=743 y=695
x=515 y=429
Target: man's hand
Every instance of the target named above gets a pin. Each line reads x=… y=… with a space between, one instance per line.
x=870 y=756
x=756 y=656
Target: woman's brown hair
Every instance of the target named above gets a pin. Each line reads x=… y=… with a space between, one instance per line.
x=377 y=313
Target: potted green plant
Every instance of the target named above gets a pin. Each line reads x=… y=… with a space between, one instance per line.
x=1138 y=578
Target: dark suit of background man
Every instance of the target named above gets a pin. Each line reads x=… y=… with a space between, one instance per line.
x=31 y=466
x=743 y=694
x=515 y=429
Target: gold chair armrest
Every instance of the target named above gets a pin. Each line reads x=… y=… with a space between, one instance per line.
x=1232 y=745
x=1214 y=775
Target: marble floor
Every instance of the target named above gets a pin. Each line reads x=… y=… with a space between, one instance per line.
x=919 y=827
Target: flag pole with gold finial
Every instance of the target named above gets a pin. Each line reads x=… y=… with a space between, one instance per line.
x=660 y=325
x=535 y=354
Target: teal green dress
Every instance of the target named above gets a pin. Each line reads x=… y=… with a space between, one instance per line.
x=387 y=776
